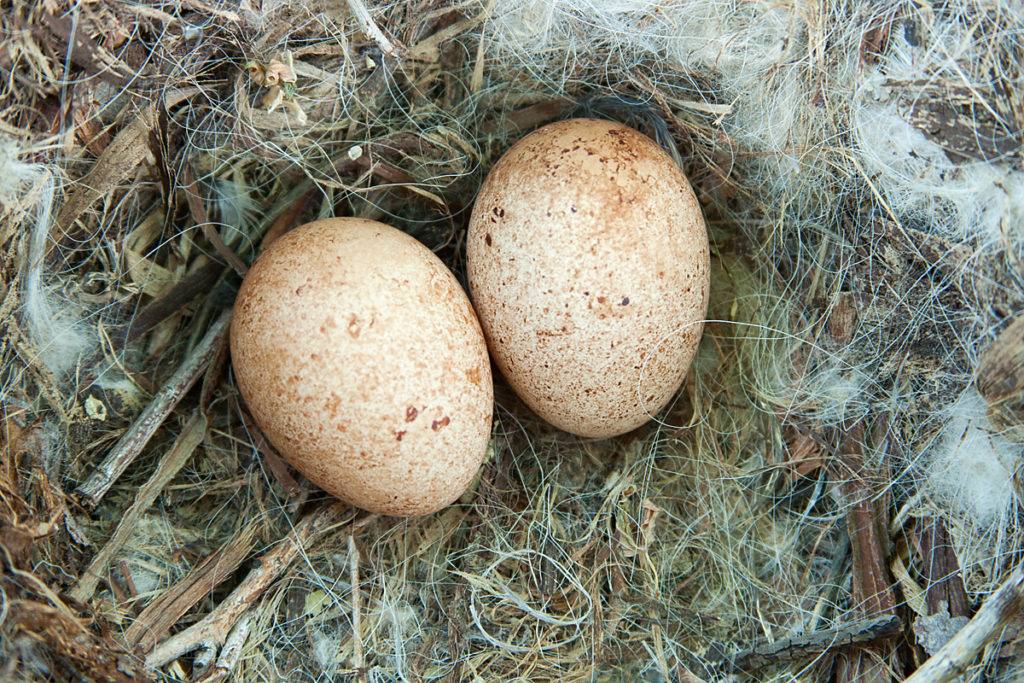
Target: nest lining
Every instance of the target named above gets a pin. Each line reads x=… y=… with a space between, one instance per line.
x=865 y=253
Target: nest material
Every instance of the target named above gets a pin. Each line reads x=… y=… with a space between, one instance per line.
x=806 y=500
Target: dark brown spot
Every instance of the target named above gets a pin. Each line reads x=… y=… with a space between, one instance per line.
x=437 y=424
x=488 y=240
x=411 y=413
x=399 y=435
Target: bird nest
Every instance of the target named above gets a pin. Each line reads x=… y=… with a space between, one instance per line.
x=832 y=495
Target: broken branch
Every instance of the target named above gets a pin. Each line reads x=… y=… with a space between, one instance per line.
x=213 y=629
x=138 y=435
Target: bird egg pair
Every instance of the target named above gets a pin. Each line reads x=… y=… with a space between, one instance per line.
x=362 y=360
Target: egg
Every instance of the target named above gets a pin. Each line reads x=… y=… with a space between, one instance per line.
x=360 y=357
x=588 y=266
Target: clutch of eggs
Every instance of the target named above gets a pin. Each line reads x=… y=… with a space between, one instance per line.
x=361 y=359
x=588 y=267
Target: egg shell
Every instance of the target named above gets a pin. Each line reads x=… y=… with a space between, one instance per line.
x=588 y=267
x=361 y=359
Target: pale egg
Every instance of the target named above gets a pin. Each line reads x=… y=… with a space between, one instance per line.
x=588 y=267
x=360 y=357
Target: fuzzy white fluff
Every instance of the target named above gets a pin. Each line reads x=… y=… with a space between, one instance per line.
x=324 y=649
x=971 y=466
x=55 y=325
x=956 y=199
x=735 y=43
x=736 y=40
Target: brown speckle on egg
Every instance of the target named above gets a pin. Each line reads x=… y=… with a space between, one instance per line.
x=608 y=213
x=352 y=343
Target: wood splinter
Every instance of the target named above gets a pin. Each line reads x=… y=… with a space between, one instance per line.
x=954 y=658
x=213 y=630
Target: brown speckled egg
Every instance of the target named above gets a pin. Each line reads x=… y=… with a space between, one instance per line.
x=360 y=357
x=588 y=268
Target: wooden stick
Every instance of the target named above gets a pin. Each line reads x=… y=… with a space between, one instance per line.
x=191 y=436
x=213 y=629
x=160 y=615
x=138 y=435
x=231 y=651
x=370 y=28
x=865 y=524
x=960 y=652
x=813 y=644
x=871 y=585
x=939 y=568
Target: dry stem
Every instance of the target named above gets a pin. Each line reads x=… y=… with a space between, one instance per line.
x=165 y=610
x=357 y=640
x=214 y=628
x=138 y=435
x=814 y=643
x=191 y=436
x=871 y=584
x=371 y=29
x=958 y=654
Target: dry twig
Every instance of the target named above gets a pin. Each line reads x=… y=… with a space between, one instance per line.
x=371 y=29
x=231 y=651
x=160 y=615
x=213 y=629
x=357 y=639
x=191 y=436
x=958 y=654
x=135 y=439
x=814 y=643
x=872 y=589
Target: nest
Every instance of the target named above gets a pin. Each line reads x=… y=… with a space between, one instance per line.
x=834 y=492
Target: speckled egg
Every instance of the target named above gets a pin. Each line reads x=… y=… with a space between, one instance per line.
x=360 y=357
x=588 y=267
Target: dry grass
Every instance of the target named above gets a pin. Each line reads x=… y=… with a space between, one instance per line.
x=829 y=478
